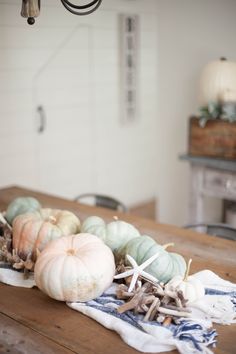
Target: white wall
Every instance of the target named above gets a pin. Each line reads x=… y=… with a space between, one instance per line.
x=190 y=33
x=70 y=65
x=81 y=99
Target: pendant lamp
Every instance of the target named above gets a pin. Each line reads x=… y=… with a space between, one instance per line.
x=31 y=8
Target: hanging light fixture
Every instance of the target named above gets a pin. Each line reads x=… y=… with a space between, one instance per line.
x=31 y=8
x=81 y=9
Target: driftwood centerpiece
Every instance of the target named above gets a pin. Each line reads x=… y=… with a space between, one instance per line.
x=151 y=299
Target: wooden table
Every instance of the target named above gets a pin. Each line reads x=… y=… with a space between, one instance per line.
x=31 y=322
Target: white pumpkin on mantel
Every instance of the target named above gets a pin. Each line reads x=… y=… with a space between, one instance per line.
x=218 y=82
x=75 y=268
x=191 y=287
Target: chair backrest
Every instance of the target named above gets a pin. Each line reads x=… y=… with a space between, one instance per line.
x=102 y=201
x=218 y=229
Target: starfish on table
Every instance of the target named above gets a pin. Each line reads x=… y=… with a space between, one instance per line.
x=137 y=270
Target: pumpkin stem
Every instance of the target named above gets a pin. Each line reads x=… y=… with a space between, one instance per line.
x=52 y=219
x=187 y=270
x=168 y=245
x=71 y=252
x=37 y=253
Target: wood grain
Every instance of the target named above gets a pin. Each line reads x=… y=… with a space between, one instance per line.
x=216 y=139
x=55 y=320
x=146 y=209
x=18 y=338
x=75 y=332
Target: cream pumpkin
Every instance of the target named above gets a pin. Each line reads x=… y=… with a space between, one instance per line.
x=75 y=268
x=218 y=82
x=32 y=231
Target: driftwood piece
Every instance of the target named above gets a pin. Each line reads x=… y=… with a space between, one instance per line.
x=177 y=308
x=152 y=311
x=135 y=301
x=166 y=311
x=167 y=321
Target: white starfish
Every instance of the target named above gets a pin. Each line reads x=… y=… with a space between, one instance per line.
x=137 y=270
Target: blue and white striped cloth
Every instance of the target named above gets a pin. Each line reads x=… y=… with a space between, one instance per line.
x=194 y=335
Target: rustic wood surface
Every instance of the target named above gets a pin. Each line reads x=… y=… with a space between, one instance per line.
x=47 y=323
x=216 y=139
x=147 y=209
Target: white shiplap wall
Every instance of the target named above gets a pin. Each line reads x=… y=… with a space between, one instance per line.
x=70 y=65
x=191 y=33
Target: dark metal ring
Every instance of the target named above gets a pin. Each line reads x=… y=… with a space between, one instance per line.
x=80 y=7
x=66 y=3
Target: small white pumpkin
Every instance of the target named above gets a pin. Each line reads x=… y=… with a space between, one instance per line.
x=191 y=287
x=115 y=234
x=75 y=268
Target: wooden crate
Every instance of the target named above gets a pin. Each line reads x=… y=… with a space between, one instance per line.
x=216 y=139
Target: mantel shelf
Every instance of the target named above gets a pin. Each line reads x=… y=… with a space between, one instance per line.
x=218 y=163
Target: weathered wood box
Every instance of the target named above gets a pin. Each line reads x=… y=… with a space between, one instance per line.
x=216 y=139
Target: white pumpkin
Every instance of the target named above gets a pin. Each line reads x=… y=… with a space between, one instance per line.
x=191 y=287
x=115 y=234
x=218 y=80
x=75 y=268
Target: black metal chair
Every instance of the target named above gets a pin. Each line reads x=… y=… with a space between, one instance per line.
x=101 y=201
x=218 y=229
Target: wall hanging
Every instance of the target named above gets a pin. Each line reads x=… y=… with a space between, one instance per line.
x=31 y=8
x=129 y=53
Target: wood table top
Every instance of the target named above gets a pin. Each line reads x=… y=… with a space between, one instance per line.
x=31 y=322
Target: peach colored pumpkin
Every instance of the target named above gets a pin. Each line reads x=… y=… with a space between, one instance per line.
x=32 y=231
x=75 y=268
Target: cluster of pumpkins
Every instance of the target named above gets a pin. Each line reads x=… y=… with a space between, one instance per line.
x=76 y=262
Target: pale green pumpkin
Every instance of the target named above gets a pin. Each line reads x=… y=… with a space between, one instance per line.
x=115 y=234
x=164 y=268
x=21 y=205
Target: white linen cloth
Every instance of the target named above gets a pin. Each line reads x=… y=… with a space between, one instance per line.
x=192 y=335
x=15 y=278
